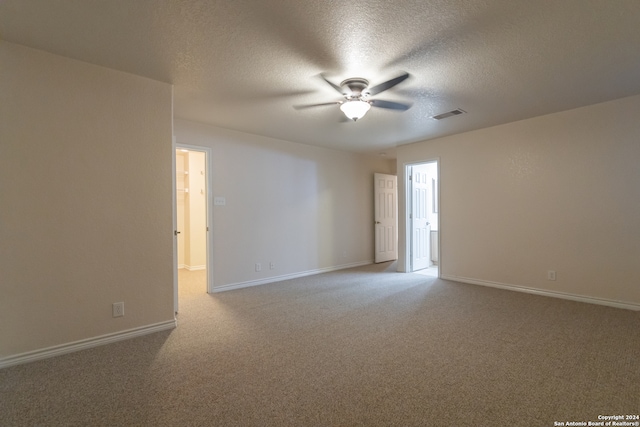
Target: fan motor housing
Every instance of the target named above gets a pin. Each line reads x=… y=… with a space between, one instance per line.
x=354 y=87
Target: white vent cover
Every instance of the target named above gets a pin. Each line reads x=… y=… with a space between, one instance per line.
x=451 y=113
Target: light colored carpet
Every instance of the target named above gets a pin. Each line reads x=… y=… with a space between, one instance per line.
x=191 y=283
x=358 y=347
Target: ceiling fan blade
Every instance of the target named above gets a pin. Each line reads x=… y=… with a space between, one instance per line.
x=388 y=84
x=389 y=105
x=302 y=107
x=336 y=87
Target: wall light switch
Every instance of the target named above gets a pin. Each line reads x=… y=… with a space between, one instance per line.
x=219 y=201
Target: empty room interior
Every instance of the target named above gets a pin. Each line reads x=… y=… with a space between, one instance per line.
x=319 y=213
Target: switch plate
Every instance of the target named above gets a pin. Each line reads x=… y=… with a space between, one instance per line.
x=219 y=201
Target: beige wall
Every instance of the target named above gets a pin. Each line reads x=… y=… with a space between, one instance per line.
x=303 y=208
x=558 y=192
x=182 y=184
x=85 y=200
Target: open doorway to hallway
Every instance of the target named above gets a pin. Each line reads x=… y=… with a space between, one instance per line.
x=423 y=219
x=192 y=225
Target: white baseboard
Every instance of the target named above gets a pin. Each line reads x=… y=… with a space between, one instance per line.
x=272 y=279
x=192 y=267
x=45 y=353
x=546 y=293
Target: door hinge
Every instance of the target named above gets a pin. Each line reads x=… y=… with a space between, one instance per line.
x=410 y=177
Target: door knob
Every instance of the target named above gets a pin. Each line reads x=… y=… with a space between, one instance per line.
x=378 y=222
x=176 y=232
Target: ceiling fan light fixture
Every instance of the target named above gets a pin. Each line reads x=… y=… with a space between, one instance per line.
x=355 y=109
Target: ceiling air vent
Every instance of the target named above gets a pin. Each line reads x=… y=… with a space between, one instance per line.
x=451 y=113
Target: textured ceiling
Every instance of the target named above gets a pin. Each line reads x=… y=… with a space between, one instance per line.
x=244 y=64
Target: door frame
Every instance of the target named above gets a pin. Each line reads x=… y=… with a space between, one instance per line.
x=209 y=216
x=408 y=259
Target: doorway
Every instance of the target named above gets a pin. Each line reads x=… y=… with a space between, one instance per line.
x=423 y=219
x=192 y=271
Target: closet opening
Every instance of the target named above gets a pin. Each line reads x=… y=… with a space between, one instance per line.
x=192 y=271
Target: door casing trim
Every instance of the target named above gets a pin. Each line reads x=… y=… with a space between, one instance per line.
x=209 y=207
x=407 y=265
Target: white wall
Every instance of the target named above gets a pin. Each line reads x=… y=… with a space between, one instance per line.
x=85 y=200
x=558 y=192
x=303 y=208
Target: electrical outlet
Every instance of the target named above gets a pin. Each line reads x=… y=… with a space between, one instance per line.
x=271 y=266
x=551 y=275
x=118 y=309
x=258 y=266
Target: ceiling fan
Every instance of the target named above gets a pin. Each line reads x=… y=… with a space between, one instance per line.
x=357 y=93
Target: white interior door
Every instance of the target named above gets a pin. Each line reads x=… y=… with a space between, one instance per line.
x=421 y=184
x=386 y=217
